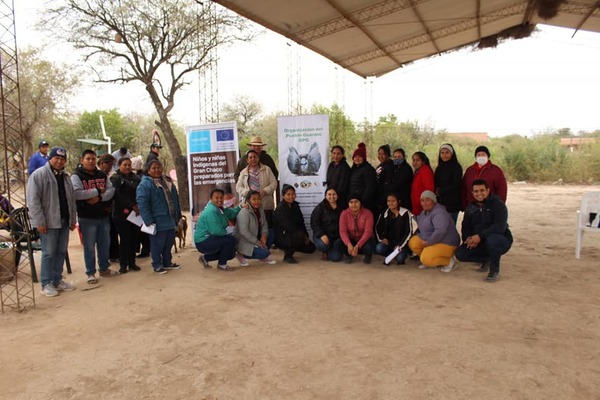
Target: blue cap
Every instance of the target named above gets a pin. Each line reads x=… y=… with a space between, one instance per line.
x=58 y=152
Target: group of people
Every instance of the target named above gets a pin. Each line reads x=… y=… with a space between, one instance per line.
x=101 y=199
x=393 y=210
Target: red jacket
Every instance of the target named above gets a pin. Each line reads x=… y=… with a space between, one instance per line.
x=491 y=173
x=359 y=228
x=422 y=181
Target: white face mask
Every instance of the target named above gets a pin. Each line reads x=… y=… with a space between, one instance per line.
x=482 y=160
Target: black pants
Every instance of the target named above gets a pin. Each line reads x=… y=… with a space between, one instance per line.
x=128 y=234
x=113 y=251
x=293 y=242
x=368 y=248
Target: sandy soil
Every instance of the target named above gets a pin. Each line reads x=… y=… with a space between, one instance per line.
x=326 y=331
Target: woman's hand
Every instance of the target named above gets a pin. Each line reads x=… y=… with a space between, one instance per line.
x=263 y=242
x=325 y=239
x=386 y=242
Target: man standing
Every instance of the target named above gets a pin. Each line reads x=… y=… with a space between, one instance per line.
x=257 y=145
x=154 y=153
x=93 y=192
x=485 y=232
x=52 y=208
x=105 y=164
x=40 y=158
x=117 y=155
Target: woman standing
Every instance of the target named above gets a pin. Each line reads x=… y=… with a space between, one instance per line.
x=385 y=176
x=363 y=178
x=125 y=183
x=403 y=177
x=393 y=230
x=325 y=224
x=290 y=232
x=422 y=180
x=483 y=168
x=260 y=178
x=338 y=173
x=437 y=237
x=448 y=179
x=356 y=231
x=253 y=233
x=158 y=202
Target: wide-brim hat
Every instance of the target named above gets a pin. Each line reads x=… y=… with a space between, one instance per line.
x=256 y=141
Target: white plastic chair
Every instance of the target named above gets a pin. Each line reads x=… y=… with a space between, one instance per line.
x=590 y=203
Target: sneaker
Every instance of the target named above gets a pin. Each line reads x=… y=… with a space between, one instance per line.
x=269 y=261
x=368 y=259
x=484 y=267
x=203 y=261
x=134 y=268
x=49 y=290
x=451 y=266
x=492 y=277
x=173 y=266
x=161 y=271
x=242 y=260
x=64 y=286
x=290 y=260
x=91 y=279
x=422 y=266
x=108 y=273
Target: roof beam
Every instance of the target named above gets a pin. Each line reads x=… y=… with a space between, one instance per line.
x=422 y=21
x=478 y=6
x=463 y=25
x=529 y=11
x=586 y=17
x=363 y=15
x=379 y=45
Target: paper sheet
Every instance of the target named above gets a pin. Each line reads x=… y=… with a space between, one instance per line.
x=135 y=218
x=150 y=230
x=392 y=255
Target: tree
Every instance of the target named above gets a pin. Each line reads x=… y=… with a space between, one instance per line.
x=157 y=43
x=342 y=130
x=44 y=90
x=244 y=110
x=121 y=133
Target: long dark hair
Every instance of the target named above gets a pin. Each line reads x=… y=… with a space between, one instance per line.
x=423 y=157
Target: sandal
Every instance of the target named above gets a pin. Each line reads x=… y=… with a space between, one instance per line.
x=225 y=268
x=91 y=279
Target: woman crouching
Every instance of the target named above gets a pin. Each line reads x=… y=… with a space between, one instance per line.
x=253 y=233
x=356 y=231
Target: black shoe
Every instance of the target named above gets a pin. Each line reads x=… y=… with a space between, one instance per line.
x=415 y=257
x=401 y=262
x=123 y=270
x=492 y=277
x=347 y=259
x=134 y=268
x=172 y=266
x=290 y=260
x=484 y=268
x=368 y=259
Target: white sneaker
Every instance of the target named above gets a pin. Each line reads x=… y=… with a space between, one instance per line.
x=422 y=266
x=242 y=260
x=49 y=290
x=64 y=286
x=269 y=261
x=451 y=266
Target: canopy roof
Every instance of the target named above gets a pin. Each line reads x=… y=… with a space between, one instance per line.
x=373 y=37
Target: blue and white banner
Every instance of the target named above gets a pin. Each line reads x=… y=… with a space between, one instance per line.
x=212 y=158
x=303 y=158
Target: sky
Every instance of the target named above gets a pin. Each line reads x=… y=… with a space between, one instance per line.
x=546 y=82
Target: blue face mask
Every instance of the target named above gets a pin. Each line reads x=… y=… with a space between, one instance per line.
x=398 y=161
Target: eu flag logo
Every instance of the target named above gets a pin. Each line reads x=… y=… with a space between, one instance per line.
x=224 y=135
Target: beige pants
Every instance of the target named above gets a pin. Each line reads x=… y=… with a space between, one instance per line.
x=434 y=255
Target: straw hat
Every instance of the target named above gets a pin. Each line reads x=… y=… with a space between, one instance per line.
x=256 y=141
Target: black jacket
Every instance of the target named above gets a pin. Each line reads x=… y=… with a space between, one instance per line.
x=397 y=230
x=448 y=180
x=324 y=220
x=125 y=192
x=338 y=178
x=91 y=180
x=491 y=217
x=385 y=179
x=403 y=177
x=363 y=180
x=287 y=219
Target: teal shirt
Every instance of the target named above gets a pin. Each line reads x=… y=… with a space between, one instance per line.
x=214 y=221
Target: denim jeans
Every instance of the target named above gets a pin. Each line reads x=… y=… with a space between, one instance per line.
x=333 y=254
x=96 y=235
x=259 y=253
x=491 y=249
x=160 y=248
x=54 y=250
x=385 y=249
x=220 y=248
x=367 y=249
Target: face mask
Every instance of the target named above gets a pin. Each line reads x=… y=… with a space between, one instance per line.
x=398 y=161
x=482 y=161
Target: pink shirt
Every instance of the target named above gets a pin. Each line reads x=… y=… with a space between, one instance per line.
x=359 y=227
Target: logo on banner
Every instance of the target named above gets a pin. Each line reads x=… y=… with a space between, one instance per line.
x=224 y=135
x=304 y=164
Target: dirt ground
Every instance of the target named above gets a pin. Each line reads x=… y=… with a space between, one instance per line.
x=321 y=330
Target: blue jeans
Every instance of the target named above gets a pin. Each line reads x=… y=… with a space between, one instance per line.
x=220 y=248
x=333 y=254
x=367 y=249
x=160 y=248
x=260 y=253
x=95 y=234
x=54 y=250
x=491 y=249
x=385 y=249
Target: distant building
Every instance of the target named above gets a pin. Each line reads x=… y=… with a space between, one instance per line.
x=479 y=137
x=576 y=143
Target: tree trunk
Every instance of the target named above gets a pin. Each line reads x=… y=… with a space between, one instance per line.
x=180 y=161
